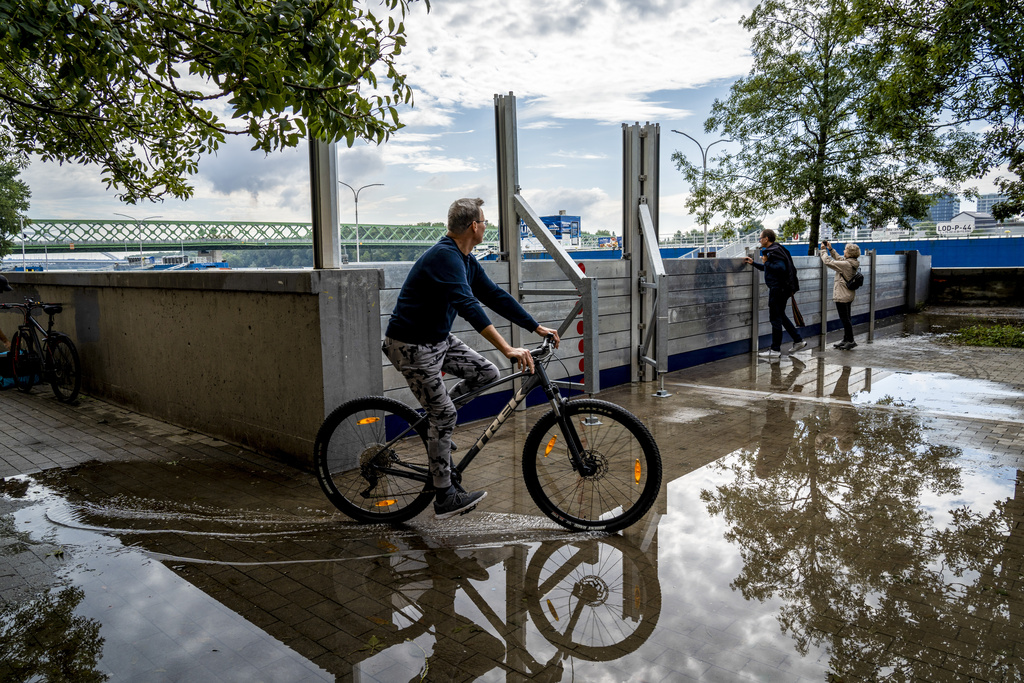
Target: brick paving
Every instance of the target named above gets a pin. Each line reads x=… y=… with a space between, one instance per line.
x=201 y=560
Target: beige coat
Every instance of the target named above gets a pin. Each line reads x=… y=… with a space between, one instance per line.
x=845 y=268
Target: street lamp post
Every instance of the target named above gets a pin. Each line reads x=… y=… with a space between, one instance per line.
x=704 y=180
x=138 y=231
x=355 y=195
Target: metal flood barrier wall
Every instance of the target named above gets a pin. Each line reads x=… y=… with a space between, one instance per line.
x=550 y=310
x=710 y=311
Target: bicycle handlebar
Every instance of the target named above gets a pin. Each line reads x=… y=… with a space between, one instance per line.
x=544 y=350
x=29 y=304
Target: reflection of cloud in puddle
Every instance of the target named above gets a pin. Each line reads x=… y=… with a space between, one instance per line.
x=946 y=393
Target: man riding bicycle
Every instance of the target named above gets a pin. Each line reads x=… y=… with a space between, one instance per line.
x=445 y=281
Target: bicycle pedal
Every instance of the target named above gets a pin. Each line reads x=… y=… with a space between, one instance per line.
x=467 y=511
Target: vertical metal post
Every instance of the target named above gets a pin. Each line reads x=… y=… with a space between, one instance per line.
x=650 y=255
x=871 y=294
x=507 y=157
x=755 y=305
x=323 y=181
x=631 y=171
x=591 y=342
x=823 y=341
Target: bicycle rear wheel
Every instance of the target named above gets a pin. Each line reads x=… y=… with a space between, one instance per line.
x=621 y=472
x=362 y=476
x=65 y=368
x=25 y=361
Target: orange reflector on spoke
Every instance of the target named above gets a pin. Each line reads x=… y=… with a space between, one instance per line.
x=636 y=597
x=637 y=471
x=385 y=503
x=551 y=608
x=368 y=421
x=550 y=446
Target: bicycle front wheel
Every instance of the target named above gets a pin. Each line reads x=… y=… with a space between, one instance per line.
x=25 y=361
x=598 y=599
x=65 y=369
x=620 y=474
x=361 y=474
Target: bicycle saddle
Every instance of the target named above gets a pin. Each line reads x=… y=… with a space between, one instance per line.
x=52 y=309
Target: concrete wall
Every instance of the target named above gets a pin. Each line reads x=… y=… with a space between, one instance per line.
x=977 y=287
x=256 y=358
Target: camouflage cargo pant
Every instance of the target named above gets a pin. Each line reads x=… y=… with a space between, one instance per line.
x=421 y=365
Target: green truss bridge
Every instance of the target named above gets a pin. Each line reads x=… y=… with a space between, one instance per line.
x=126 y=235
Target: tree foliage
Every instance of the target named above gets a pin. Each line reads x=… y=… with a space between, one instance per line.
x=14 y=196
x=136 y=86
x=802 y=121
x=961 y=59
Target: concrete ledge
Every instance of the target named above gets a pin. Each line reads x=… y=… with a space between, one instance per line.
x=257 y=358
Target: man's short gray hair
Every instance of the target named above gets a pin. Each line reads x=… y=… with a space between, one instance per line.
x=462 y=213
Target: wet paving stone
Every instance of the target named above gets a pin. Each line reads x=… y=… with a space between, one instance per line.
x=840 y=516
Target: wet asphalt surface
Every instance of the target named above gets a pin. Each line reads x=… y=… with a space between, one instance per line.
x=837 y=516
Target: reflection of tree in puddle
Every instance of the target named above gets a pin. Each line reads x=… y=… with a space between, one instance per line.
x=827 y=512
x=44 y=640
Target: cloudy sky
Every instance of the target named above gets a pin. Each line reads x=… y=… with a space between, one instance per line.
x=579 y=70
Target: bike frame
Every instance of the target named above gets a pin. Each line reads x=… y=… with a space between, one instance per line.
x=539 y=378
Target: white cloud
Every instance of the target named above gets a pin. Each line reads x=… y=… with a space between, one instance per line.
x=574 y=60
x=570 y=64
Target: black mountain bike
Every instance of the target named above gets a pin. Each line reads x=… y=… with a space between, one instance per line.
x=589 y=465
x=54 y=359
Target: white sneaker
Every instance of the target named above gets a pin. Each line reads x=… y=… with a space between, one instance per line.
x=798 y=346
x=769 y=354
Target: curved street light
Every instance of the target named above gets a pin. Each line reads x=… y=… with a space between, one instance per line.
x=138 y=231
x=704 y=178
x=355 y=195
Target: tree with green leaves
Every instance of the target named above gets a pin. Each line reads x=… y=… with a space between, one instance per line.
x=139 y=87
x=959 y=59
x=14 y=196
x=805 y=142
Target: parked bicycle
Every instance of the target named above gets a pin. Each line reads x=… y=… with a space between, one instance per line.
x=588 y=464
x=52 y=359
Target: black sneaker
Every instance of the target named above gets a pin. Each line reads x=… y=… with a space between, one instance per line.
x=850 y=345
x=456 y=502
x=839 y=345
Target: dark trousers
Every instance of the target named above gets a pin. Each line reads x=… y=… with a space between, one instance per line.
x=777 y=300
x=844 y=315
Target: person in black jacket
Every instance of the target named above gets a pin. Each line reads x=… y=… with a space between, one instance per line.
x=781 y=278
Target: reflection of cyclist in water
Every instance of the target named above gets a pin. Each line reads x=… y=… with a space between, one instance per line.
x=593 y=599
x=445 y=281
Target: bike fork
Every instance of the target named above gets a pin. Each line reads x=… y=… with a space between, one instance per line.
x=569 y=433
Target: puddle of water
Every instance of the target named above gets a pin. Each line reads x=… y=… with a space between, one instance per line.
x=833 y=541
x=945 y=393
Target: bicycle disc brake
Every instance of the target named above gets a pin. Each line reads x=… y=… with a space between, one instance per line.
x=593 y=466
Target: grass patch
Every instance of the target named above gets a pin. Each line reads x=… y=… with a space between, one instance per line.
x=1003 y=336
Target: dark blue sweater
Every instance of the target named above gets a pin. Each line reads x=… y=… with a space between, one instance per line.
x=445 y=282
x=779 y=270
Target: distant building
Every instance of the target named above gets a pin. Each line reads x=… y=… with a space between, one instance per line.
x=964 y=224
x=946 y=206
x=987 y=201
